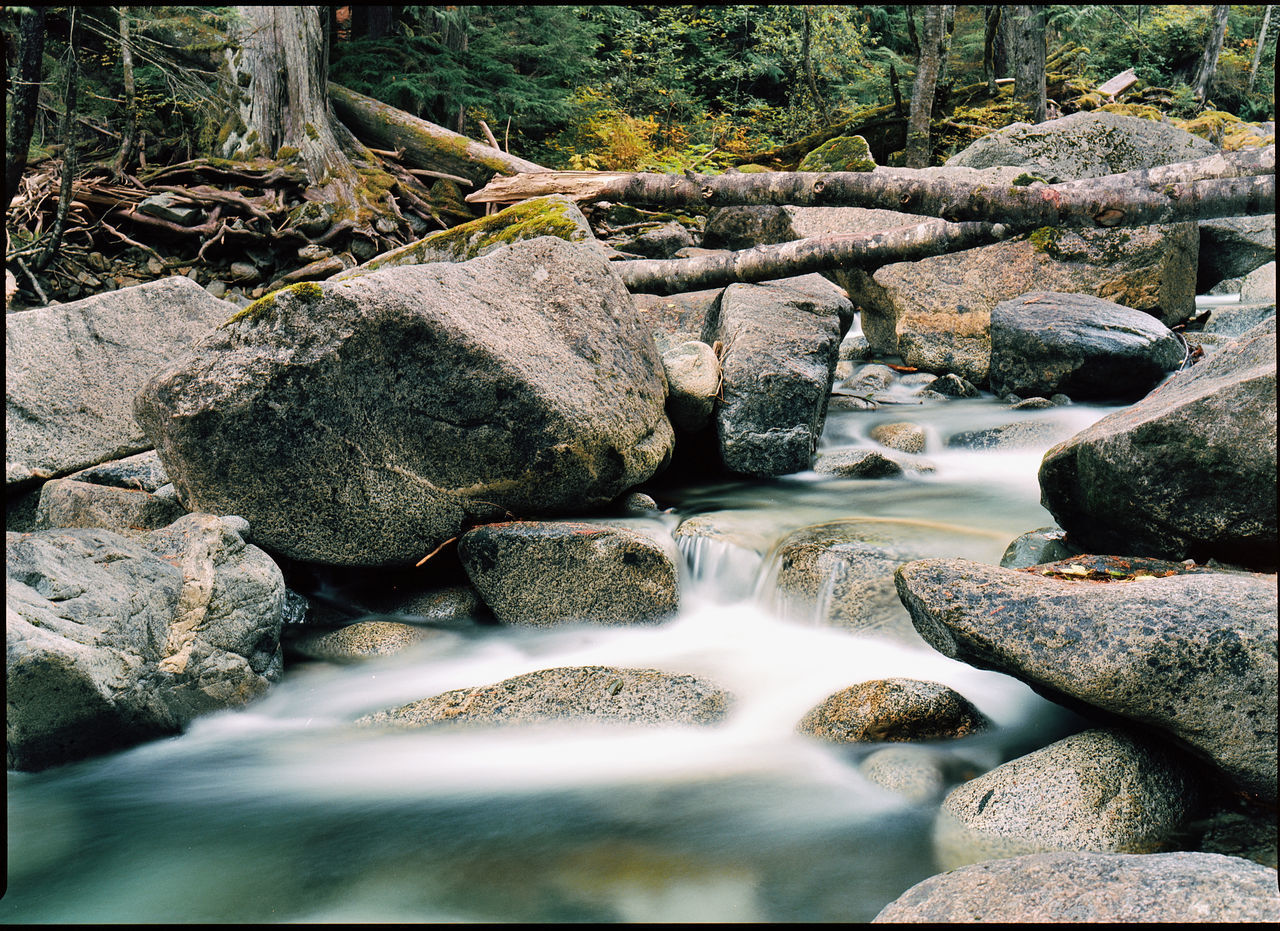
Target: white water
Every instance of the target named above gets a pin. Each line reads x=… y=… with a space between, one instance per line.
x=286 y=812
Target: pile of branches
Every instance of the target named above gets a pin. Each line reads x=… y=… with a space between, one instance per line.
x=241 y=228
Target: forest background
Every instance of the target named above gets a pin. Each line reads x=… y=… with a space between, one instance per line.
x=124 y=92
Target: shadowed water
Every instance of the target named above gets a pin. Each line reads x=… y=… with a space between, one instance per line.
x=285 y=811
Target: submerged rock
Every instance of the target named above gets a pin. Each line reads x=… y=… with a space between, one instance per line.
x=544 y=573
x=1190 y=653
x=605 y=694
x=1078 y=887
x=367 y=421
x=893 y=710
x=114 y=640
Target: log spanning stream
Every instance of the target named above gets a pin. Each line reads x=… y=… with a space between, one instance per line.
x=284 y=811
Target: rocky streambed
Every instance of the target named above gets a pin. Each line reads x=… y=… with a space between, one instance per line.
x=484 y=590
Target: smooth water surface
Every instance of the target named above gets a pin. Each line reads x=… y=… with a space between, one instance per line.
x=284 y=811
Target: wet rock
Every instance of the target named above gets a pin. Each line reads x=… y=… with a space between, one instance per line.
x=1048 y=544
x=676 y=318
x=450 y=606
x=953 y=386
x=1098 y=790
x=368 y=420
x=1259 y=286
x=1022 y=434
x=1231 y=247
x=907 y=437
x=893 y=710
x=861 y=462
x=1188 y=471
x=1032 y=404
x=65 y=502
x=1187 y=652
x=918 y=774
x=114 y=640
x=604 y=694
x=362 y=640
x=780 y=344
x=543 y=573
x=1078 y=887
x=71 y=371
x=1045 y=342
x=693 y=378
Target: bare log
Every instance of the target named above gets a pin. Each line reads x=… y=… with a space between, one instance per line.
x=802 y=256
x=425 y=145
x=1225 y=184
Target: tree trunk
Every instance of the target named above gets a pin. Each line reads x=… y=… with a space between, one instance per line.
x=26 y=92
x=67 y=132
x=129 y=136
x=1215 y=186
x=1024 y=34
x=808 y=69
x=989 y=48
x=1257 y=52
x=1208 y=66
x=935 y=41
x=424 y=145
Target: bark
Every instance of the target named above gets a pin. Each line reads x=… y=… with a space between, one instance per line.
x=989 y=48
x=424 y=145
x=784 y=260
x=935 y=41
x=808 y=69
x=129 y=137
x=1208 y=66
x=1024 y=34
x=1225 y=184
x=26 y=91
x=69 y=154
x=1257 y=52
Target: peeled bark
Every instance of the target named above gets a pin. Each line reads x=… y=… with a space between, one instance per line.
x=424 y=145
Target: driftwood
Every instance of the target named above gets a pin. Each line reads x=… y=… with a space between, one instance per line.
x=424 y=145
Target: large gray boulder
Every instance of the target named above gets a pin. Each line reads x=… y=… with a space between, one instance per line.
x=780 y=344
x=1231 y=247
x=114 y=640
x=1259 y=286
x=1087 y=144
x=1079 y=887
x=936 y=312
x=71 y=371
x=544 y=573
x=1045 y=343
x=366 y=421
x=1188 y=471
x=1101 y=789
x=1190 y=654
x=604 y=694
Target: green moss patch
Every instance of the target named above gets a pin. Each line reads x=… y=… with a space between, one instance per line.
x=269 y=305
x=844 y=153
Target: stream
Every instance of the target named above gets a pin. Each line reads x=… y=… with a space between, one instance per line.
x=285 y=812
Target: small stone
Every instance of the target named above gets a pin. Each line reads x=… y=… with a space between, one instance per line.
x=893 y=710
x=907 y=437
x=953 y=386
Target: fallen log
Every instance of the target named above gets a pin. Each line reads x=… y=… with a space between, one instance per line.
x=424 y=145
x=802 y=256
x=1226 y=184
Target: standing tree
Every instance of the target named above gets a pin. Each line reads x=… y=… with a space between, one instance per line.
x=1208 y=66
x=1024 y=31
x=1257 y=52
x=129 y=137
x=26 y=92
x=935 y=42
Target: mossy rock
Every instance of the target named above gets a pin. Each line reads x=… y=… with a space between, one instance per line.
x=265 y=308
x=752 y=169
x=843 y=153
x=553 y=215
x=1140 y=110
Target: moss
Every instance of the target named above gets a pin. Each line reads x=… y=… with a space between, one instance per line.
x=1141 y=110
x=266 y=307
x=312 y=133
x=1026 y=178
x=750 y=169
x=844 y=153
x=286 y=152
x=1045 y=239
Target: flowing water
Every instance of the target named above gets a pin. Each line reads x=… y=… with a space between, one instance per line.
x=284 y=811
